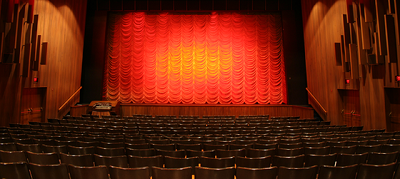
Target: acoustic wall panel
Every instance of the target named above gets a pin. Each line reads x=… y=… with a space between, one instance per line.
x=43 y=59
x=25 y=69
x=390 y=39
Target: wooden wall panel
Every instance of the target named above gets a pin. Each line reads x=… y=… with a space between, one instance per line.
x=61 y=23
x=216 y=110
x=323 y=23
x=65 y=38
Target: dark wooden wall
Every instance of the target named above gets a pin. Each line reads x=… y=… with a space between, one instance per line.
x=353 y=42
x=206 y=110
x=60 y=24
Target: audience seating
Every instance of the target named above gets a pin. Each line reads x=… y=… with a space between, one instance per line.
x=216 y=143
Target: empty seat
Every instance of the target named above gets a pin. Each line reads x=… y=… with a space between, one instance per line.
x=80 y=150
x=10 y=146
x=110 y=151
x=350 y=159
x=290 y=152
x=127 y=173
x=12 y=156
x=344 y=149
x=319 y=160
x=317 y=150
x=217 y=162
x=17 y=170
x=195 y=153
x=78 y=160
x=54 y=148
x=118 y=161
x=189 y=146
x=43 y=158
x=342 y=172
x=175 y=173
x=384 y=171
x=177 y=153
x=378 y=158
x=136 y=161
x=141 y=152
x=174 y=162
x=368 y=148
x=214 y=173
x=40 y=171
x=94 y=172
x=231 y=153
x=288 y=161
x=303 y=172
x=256 y=173
x=251 y=153
x=163 y=146
x=29 y=147
x=259 y=162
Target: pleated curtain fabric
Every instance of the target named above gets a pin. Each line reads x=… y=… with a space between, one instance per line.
x=214 y=58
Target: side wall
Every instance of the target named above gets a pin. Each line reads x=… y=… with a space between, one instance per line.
x=357 y=58
x=61 y=23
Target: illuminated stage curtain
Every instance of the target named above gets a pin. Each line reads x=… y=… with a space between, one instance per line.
x=217 y=58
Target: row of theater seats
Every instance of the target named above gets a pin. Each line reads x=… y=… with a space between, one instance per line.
x=211 y=168
x=266 y=153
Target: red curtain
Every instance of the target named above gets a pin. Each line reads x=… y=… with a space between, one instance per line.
x=218 y=58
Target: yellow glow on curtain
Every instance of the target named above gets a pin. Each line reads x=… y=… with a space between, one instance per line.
x=224 y=58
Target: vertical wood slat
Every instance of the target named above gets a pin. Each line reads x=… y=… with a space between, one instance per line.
x=390 y=39
x=349 y=5
x=353 y=61
x=368 y=11
x=391 y=7
x=338 y=54
x=34 y=40
x=397 y=7
x=362 y=54
x=43 y=59
x=380 y=20
x=26 y=64
x=343 y=53
x=10 y=11
x=36 y=63
x=19 y=35
x=365 y=36
x=1 y=46
x=379 y=59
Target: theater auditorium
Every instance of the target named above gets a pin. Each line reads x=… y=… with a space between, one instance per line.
x=199 y=89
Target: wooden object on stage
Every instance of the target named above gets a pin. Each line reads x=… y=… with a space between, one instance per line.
x=104 y=108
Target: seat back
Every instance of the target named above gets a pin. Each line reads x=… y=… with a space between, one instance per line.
x=259 y=162
x=174 y=162
x=342 y=172
x=350 y=159
x=77 y=160
x=39 y=171
x=300 y=173
x=12 y=156
x=384 y=171
x=118 y=161
x=18 y=170
x=175 y=173
x=319 y=160
x=288 y=161
x=214 y=173
x=217 y=162
x=256 y=173
x=127 y=173
x=94 y=172
x=136 y=161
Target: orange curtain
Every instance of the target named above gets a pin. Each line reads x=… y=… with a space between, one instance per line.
x=217 y=58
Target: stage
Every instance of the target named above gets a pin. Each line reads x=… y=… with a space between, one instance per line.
x=129 y=109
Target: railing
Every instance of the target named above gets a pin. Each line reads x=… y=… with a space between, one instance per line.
x=70 y=101
x=316 y=105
